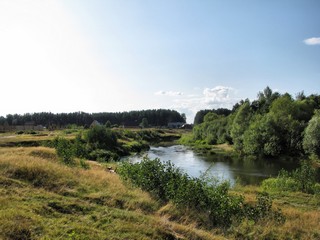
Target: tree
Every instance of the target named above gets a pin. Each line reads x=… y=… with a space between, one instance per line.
x=144 y=123
x=99 y=137
x=183 y=115
x=311 y=140
x=262 y=137
x=240 y=124
x=108 y=124
x=265 y=100
x=285 y=114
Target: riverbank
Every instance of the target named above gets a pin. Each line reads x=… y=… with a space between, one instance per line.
x=41 y=198
x=128 y=141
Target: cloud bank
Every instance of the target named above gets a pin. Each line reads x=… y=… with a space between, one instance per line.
x=169 y=93
x=209 y=98
x=312 y=41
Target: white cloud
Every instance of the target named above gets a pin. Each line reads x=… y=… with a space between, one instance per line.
x=217 y=95
x=169 y=93
x=210 y=98
x=312 y=41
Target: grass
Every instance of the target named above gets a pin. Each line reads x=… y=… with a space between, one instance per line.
x=302 y=212
x=203 y=147
x=9 y=139
x=40 y=198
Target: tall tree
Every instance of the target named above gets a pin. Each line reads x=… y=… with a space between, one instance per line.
x=311 y=140
x=240 y=124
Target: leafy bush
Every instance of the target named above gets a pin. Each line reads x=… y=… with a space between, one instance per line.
x=65 y=151
x=137 y=146
x=80 y=149
x=280 y=184
x=102 y=155
x=311 y=140
x=100 y=137
x=316 y=188
x=210 y=200
x=305 y=175
x=263 y=209
x=302 y=179
x=148 y=135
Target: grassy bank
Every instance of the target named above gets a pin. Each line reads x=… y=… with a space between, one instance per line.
x=40 y=198
x=203 y=147
x=43 y=199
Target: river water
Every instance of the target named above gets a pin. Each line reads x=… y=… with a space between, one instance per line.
x=245 y=170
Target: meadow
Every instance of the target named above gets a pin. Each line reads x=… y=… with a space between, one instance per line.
x=43 y=198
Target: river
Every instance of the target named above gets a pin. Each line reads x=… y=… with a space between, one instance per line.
x=245 y=170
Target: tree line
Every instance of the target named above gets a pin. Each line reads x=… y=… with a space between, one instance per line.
x=155 y=117
x=272 y=125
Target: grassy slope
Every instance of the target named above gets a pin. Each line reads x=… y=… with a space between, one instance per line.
x=42 y=199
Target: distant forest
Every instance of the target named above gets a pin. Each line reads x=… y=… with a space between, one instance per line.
x=272 y=125
x=156 y=117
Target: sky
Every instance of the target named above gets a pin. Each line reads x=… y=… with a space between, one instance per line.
x=122 y=55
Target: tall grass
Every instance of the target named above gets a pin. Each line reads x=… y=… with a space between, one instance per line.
x=41 y=198
x=210 y=199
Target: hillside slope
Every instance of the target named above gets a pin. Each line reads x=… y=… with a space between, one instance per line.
x=42 y=199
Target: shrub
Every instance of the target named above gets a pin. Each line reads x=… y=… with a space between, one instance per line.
x=211 y=201
x=65 y=151
x=280 y=184
x=302 y=179
x=305 y=175
x=316 y=188
x=102 y=155
x=79 y=146
x=100 y=137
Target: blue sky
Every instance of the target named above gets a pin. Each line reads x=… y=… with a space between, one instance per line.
x=121 y=55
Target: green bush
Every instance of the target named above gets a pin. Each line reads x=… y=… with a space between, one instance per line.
x=305 y=175
x=137 y=146
x=65 y=151
x=102 y=155
x=147 y=135
x=100 y=137
x=316 y=188
x=280 y=184
x=209 y=199
x=80 y=148
x=302 y=179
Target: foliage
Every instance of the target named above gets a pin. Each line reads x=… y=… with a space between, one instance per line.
x=210 y=199
x=42 y=199
x=272 y=125
x=311 y=140
x=103 y=155
x=144 y=123
x=79 y=147
x=100 y=137
x=213 y=130
x=302 y=179
x=240 y=125
x=156 y=117
x=199 y=117
x=65 y=151
x=305 y=176
x=261 y=138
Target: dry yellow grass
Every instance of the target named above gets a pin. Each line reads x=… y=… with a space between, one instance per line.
x=225 y=147
x=40 y=198
x=44 y=199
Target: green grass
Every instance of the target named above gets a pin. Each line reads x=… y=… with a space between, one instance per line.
x=40 y=198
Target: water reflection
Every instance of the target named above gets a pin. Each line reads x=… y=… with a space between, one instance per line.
x=245 y=170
